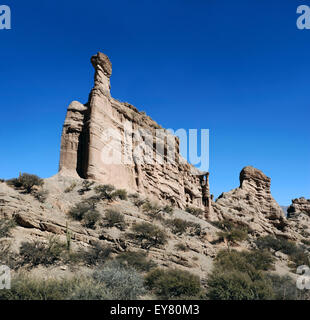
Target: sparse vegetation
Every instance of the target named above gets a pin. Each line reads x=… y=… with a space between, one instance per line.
x=167 y=209
x=98 y=254
x=179 y=226
x=25 y=288
x=114 y=218
x=153 y=210
x=86 y=186
x=90 y=218
x=85 y=212
x=6 y=225
x=26 y=182
x=148 y=235
x=173 y=283
x=39 y=253
x=40 y=195
x=120 y=193
x=122 y=283
x=136 y=260
x=296 y=253
x=197 y=212
x=181 y=247
x=239 y=276
x=105 y=192
x=70 y=188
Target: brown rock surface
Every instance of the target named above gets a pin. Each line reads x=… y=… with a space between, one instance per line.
x=298 y=206
x=253 y=205
x=89 y=129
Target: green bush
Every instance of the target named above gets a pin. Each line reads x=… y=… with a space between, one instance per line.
x=172 y=283
x=197 y=212
x=244 y=261
x=240 y=276
x=153 y=210
x=136 y=260
x=120 y=193
x=41 y=195
x=236 y=285
x=123 y=283
x=233 y=236
x=114 y=218
x=105 y=192
x=181 y=247
x=26 y=288
x=90 y=218
x=85 y=212
x=148 y=235
x=86 y=186
x=296 y=253
x=6 y=225
x=26 y=182
x=180 y=226
x=98 y=254
x=38 y=253
x=167 y=209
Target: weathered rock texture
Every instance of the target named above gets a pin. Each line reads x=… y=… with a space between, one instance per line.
x=300 y=205
x=253 y=205
x=86 y=148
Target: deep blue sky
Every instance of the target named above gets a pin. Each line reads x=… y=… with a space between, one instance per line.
x=238 y=68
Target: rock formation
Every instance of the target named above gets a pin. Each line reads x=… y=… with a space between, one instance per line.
x=252 y=204
x=298 y=206
x=113 y=143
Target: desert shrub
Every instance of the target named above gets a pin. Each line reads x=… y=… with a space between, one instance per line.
x=120 y=193
x=171 y=283
x=197 y=212
x=40 y=195
x=180 y=226
x=296 y=253
x=26 y=182
x=236 y=285
x=97 y=254
x=153 y=210
x=240 y=276
x=71 y=187
x=85 y=212
x=90 y=218
x=38 y=253
x=138 y=202
x=181 y=247
x=244 y=261
x=105 y=192
x=167 y=209
x=26 y=288
x=136 y=260
x=284 y=288
x=6 y=225
x=123 y=283
x=233 y=236
x=114 y=218
x=148 y=235
x=86 y=186
x=2 y=180
x=306 y=242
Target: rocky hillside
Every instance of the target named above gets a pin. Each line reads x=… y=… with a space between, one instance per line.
x=91 y=224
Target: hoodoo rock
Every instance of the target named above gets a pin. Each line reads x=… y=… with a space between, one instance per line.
x=298 y=206
x=113 y=143
x=252 y=204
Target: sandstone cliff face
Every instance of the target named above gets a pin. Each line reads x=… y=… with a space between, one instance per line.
x=252 y=204
x=113 y=143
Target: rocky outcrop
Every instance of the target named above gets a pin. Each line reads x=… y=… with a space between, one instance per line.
x=113 y=143
x=298 y=206
x=253 y=205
